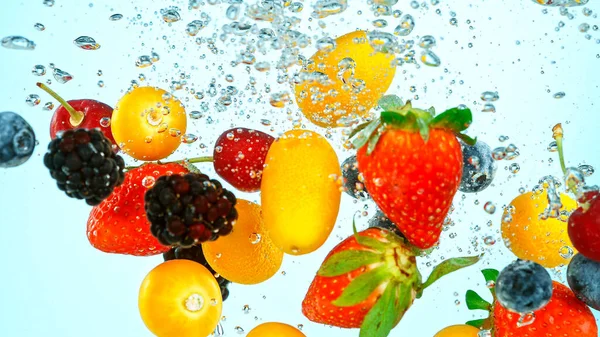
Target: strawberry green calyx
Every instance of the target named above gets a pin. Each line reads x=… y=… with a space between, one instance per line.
x=391 y=268
x=476 y=302
x=405 y=117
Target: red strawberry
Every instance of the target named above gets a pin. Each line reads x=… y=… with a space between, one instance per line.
x=239 y=157
x=119 y=224
x=369 y=281
x=564 y=316
x=584 y=226
x=412 y=166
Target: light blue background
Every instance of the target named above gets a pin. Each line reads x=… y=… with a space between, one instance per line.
x=53 y=283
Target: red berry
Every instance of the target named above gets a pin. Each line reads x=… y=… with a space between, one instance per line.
x=93 y=112
x=239 y=157
x=584 y=226
x=119 y=224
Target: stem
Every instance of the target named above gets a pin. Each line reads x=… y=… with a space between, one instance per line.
x=557 y=134
x=76 y=116
x=205 y=159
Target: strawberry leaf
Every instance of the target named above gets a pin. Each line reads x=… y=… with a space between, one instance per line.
x=358 y=129
x=363 y=286
x=491 y=275
x=368 y=241
x=363 y=136
x=423 y=129
x=475 y=302
x=347 y=261
x=455 y=119
x=468 y=140
x=478 y=323
x=394 y=118
x=448 y=267
x=383 y=316
x=391 y=103
x=373 y=142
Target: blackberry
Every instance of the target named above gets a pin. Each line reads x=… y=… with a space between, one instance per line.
x=84 y=165
x=195 y=254
x=352 y=184
x=189 y=209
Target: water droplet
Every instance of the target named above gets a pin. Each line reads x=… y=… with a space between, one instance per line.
x=61 y=76
x=559 y=95
x=246 y=309
x=489 y=241
x=489 y=207
x=49 y=106
x=173 y=132
x=490 y=96
x=39 y=27
x=427 y=42
x=148 y=181
x=526 y=319
x=488 y=107
x=32 y=100
x=429 y=58
x=195 y=114
x=498 y=153
x=326 y=44
x=115 y=17
x=406 y=26
x=143 y=61
x=254 y=238
x=380 y=23
x=194 y=27
x=170 y=14
x=382 y=42
x=86 y=43
x=587 y=170
x=189 y=138
x=553 y=147
x=18 y=43
x=105 y=122
x=566 y=252
x=514 y=168
x=279 y=100
x=38 y=70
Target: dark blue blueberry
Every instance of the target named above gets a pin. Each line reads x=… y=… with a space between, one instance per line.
x=583 y=276
x=17 y=140
x=524 y=286
x=352 y=185
x=479 y=168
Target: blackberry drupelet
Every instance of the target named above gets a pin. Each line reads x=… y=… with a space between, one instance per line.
x=189 y=209
x=84 y=165
x=195 y=254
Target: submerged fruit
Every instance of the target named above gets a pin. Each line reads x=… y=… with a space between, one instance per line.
x=148 y=122
x=524 y=286
x=274 y=329
x=531 y=238
x=344 y=83
x=180 y=298
x=461 y=330
x=247 y=255
x=300 y=197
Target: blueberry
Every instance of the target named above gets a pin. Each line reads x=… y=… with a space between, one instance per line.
x=352 y=185
x=583 y=276
x=382 y=221
x=479 y=168
x=524 y=286
x=17 y=140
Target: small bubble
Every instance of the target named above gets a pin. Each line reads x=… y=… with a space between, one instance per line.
x=559 y=95
x=39 y=27
x=566 y=252
x=489 y=241
x=105 y=122
x=514 y=168
x=148 y=181
x=115 y=17
x=39 y=70
x=526 y=319
x=32 y=100
x=489 y=207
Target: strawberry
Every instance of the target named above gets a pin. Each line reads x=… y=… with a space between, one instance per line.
x=564 y=315
x=119 y=224
x=239 y=157
x=412 y=165
x=368 y=281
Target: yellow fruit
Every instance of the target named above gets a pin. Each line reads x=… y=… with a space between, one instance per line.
x=274 y=329
x=458 y=331
x=146 y=126
x=530 y=238
x=326 y=102
x=180 y=298
x=246 y=255
x=299 y=195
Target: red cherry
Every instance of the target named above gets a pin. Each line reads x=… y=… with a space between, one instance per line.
x=584 y=226
x=79 y=114
x=239 y=157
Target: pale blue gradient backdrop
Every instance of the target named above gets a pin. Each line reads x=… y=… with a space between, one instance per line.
x=53 y=283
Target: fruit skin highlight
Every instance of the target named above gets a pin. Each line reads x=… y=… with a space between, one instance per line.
x=274 y=329
x=299 y=195
x=168 y=300
x=531 y=238
x=119 y=224
x=146 y=126
x=247 y=255
x=461 y=330
x=376 y=69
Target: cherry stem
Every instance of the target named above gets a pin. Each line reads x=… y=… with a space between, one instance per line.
x=557 y=134
x=76 y=116
x=205 y=159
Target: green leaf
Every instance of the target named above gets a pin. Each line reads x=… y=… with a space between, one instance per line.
x=373 y=142
x=468 y=140
x=367 y=241
x=358 y=129
x=423 y=129
x=347 y=261
x=404 y=295
x=491 y=275
x=391 y=103
x=448 y=267
x=394 y=118
x=363 y=286
x=380 y=320
x=431 y=110
x=478 y=323
x=454 y=119
x=363 y=136
x=475 y=302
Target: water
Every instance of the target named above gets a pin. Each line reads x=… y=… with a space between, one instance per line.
x=234 y=64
